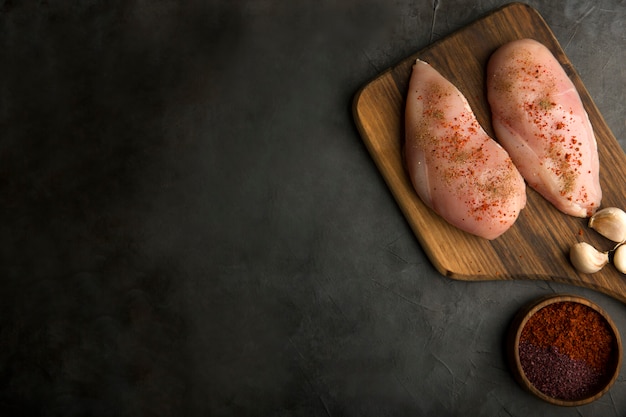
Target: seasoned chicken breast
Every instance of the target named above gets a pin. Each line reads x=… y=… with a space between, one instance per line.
x=539 y=119
x=455 y=167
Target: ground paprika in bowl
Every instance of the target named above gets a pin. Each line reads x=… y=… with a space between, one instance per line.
x=565 y=349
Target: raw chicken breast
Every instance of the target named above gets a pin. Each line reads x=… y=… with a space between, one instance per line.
x=539 y=119
x=455 y=167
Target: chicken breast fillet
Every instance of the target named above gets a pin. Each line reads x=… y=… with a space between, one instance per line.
x=538 y=117
x=455 y=167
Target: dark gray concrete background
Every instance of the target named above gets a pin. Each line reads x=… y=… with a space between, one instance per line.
x=192 y=226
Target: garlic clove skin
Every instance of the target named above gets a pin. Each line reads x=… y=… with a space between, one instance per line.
x=619 y=259
x=610 y=222
x=587 y=259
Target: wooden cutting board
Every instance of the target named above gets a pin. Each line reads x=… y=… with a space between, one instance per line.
x=537 y=245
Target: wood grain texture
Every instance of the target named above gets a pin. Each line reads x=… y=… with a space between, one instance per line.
x=537 y=245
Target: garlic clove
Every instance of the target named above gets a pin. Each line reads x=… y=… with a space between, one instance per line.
x=586 y=258
x=619 y=259
x=610 y=222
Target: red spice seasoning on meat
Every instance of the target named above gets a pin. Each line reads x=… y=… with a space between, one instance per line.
x=565 y=349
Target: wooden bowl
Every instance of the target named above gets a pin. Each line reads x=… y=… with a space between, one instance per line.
x=526 y=375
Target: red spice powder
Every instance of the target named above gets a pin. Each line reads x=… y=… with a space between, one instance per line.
x=573 y=329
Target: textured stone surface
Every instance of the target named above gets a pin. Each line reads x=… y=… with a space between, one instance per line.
x=192 y=225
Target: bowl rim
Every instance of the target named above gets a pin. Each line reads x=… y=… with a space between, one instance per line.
x=515 y=331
